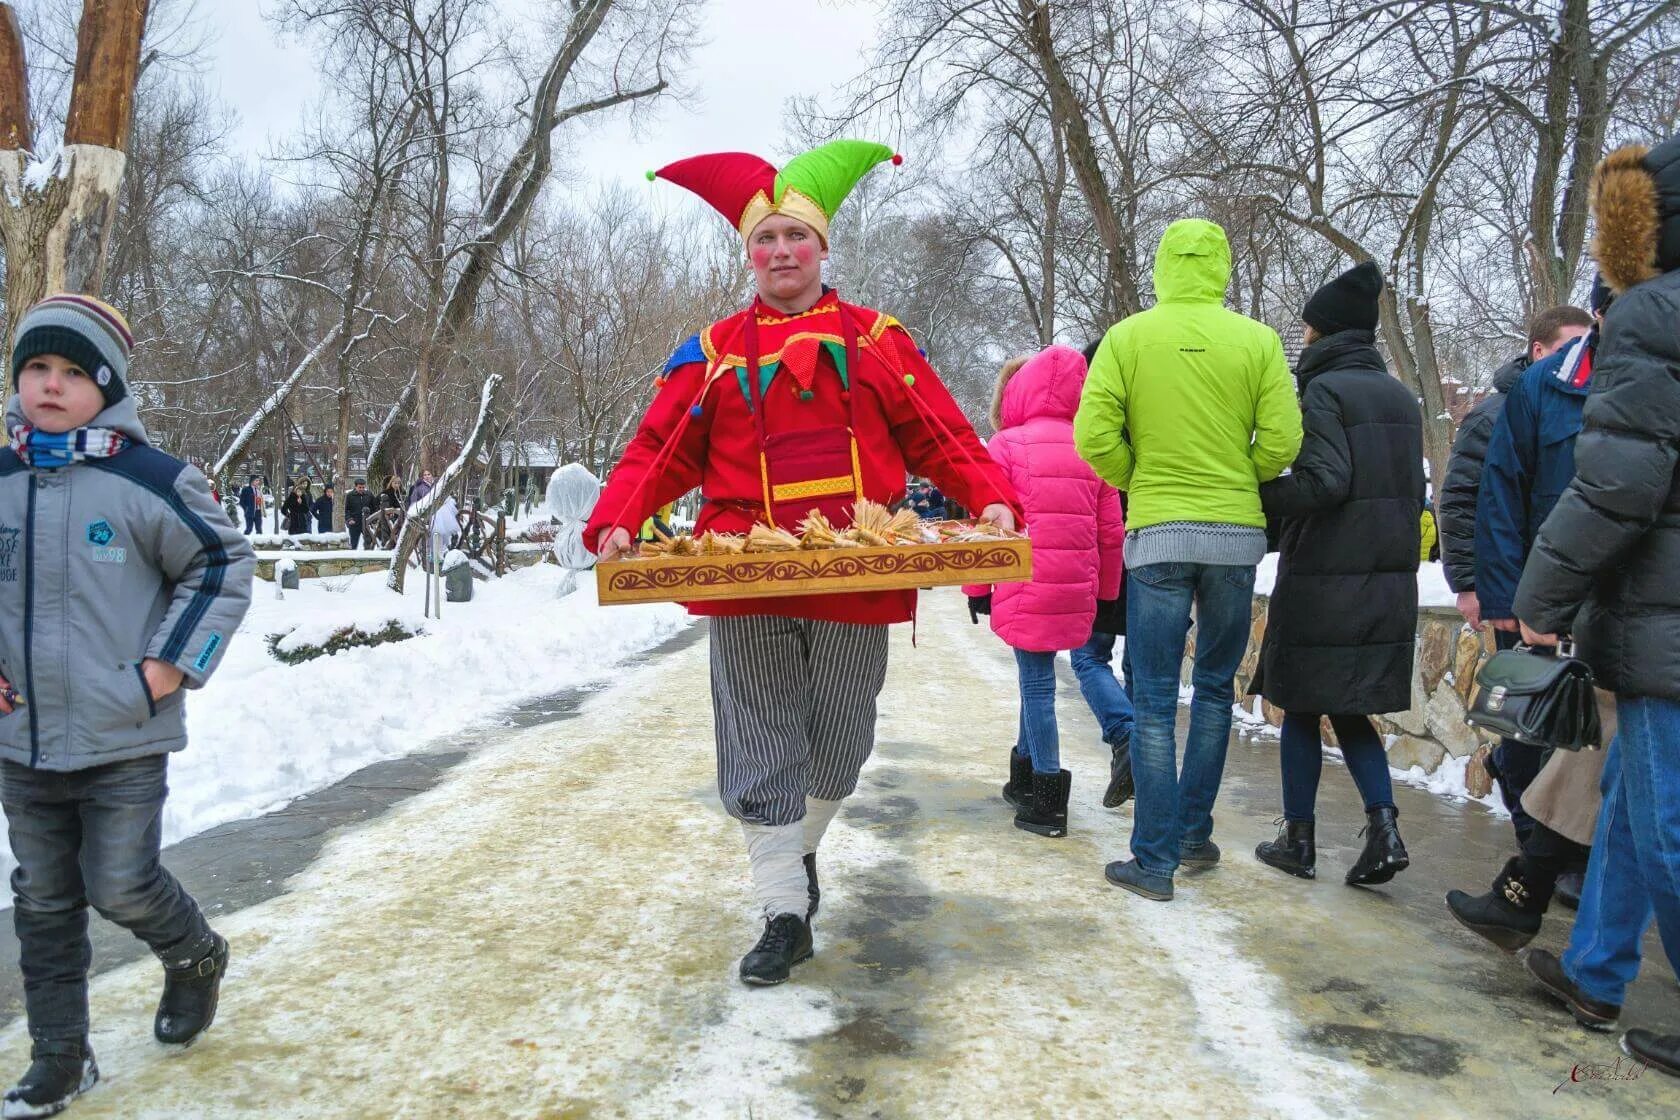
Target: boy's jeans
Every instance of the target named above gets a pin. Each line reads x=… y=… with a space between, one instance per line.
x=1174 y=811
x=1038 y=738
x=1634 y=870
x=1107 y=697
x=90 y=837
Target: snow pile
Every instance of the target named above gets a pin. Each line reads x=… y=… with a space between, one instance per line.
x=262 y=733
x=1448 y=781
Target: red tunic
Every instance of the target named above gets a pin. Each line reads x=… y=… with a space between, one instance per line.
x=904 y=418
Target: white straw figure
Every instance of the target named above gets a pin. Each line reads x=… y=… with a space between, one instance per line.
x=445 y=527
x=572 y=494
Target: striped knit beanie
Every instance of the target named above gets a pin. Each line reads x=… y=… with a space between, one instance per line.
x=86 y=331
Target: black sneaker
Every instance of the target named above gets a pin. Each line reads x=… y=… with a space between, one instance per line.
x=786 y=942
x=811 y=888
x=1591 y=1013
x=58 y=1074
x=188 y=1006
x=1121 y=787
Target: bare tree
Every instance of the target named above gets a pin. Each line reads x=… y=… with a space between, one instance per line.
x=55 y=212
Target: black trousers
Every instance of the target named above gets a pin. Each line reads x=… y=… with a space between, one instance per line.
x=1515 y=765
x=1547 y=855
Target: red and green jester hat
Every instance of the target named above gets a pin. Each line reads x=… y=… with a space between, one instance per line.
x=842 y=407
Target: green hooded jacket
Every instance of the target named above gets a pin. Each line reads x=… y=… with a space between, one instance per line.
x=1189 y=407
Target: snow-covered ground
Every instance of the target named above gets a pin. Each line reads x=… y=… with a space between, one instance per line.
x=1432 y=582
x=262 y=733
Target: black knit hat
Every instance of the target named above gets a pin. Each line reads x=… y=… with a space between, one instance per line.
x=1347 y=303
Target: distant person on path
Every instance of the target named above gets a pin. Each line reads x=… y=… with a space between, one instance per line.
x=296 y=508
x=133 y=583
x=251 y=503
x=1605 y=568
x=420 y=489
x=927 y=502
x=357 y=505
x=1342 y=623
x=1547 y=333
x=1188 y=408
x=846 y=412
x=658 y=522
x=390 y=495
x=323 y=510
x=1078 y=537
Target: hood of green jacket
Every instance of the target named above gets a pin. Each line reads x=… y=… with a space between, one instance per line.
x=1193 y=263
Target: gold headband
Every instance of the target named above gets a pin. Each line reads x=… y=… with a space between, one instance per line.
x=793 y=204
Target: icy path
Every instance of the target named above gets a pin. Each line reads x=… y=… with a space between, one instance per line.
x=553 y=930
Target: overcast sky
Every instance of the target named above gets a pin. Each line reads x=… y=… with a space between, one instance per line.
x=268 y=80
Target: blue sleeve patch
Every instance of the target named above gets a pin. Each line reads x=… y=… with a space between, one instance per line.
x=210 y=648
x=690 y=351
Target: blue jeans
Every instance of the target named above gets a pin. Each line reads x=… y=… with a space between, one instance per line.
x=1302 y=758
x=1175 y=810
x=1634 y=871
x=1038 y=738
x=1107 y=697
x=90 y=837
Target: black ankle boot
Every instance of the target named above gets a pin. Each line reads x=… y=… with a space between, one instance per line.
x=1045 y=813
x=1384 y=855
x=785 y=943
x=59 y=1072
x=1120 y=783
x=1292 y=851
x=188 y=1006
x=1018 y=790
x=1509 y=914
x=811 y=887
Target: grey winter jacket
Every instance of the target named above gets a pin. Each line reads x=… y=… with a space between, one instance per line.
x=103 y=564
x=1457 y=516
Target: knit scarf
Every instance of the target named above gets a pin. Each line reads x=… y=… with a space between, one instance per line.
x=48 y=451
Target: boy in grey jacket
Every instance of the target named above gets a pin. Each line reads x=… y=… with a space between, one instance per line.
x=121 y=582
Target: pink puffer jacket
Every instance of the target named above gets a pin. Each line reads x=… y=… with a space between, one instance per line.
x=1073 y=517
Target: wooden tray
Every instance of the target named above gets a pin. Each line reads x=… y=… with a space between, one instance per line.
x=825 y=571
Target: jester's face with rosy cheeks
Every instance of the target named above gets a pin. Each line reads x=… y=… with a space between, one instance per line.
x=787 y=257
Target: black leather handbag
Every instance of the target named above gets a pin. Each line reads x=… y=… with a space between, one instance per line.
x=1541 y=698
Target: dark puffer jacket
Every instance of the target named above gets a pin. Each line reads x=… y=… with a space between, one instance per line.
x=1606 y=566
x=1340 y=631
x=1457 y=519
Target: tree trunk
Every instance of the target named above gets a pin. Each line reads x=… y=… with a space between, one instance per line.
x=420 y=518
x=55 y=216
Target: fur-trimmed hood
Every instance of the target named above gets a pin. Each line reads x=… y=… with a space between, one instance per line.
x=1636 y=204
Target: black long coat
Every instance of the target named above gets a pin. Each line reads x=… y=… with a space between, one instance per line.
x=1343 y=618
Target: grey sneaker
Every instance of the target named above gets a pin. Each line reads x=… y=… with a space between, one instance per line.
x=1127 y=874
x=1199 y=857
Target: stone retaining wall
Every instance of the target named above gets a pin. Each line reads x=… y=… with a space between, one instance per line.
x=1443 y=681
x=315 y=566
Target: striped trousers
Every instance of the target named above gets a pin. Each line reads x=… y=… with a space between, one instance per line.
x=793 y=707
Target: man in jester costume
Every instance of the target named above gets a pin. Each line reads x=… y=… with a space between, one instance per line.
x=842 y=406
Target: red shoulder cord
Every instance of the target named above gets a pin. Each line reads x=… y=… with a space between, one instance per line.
x=662 y=458
x=928 y=414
